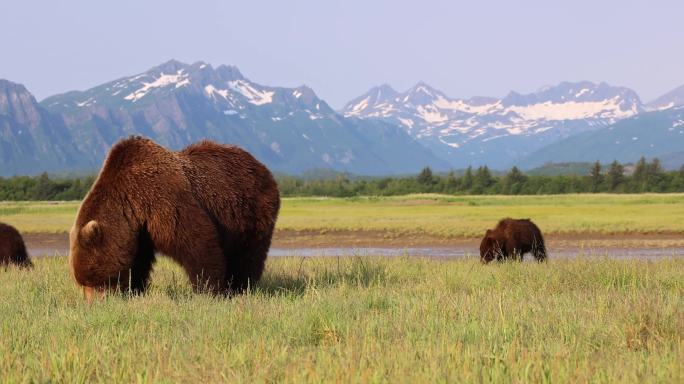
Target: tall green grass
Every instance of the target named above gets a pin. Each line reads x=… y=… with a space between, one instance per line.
x=356 y=319
x=434 y=215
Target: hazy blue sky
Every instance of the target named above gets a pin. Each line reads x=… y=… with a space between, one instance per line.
x=342 y=48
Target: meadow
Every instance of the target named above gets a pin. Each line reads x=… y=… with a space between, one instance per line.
x=354 y=319
x=365 y=318
x=443 y=216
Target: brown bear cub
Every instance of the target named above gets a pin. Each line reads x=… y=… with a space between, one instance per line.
x=512 y=238
x=12 y=248
x=212 y=208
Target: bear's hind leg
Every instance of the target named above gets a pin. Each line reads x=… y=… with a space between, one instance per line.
x=539 y=250
x=246 y=266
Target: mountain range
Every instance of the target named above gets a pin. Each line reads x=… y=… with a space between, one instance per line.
x=497 y=132
x=175 y=104
x=292 y=130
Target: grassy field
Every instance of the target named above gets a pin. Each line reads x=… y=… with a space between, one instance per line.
x=434 y=215
x=356 y=320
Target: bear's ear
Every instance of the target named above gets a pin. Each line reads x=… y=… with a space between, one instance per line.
x=91 y=233
x=489 y=232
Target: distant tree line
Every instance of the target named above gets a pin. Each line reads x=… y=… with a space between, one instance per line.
x=44 y=188
x=645 y=177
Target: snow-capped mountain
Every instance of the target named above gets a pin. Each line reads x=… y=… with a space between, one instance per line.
x=485 y=130
x=290 y=129
x=224 y=86
x=674 y=98
x=650 y=134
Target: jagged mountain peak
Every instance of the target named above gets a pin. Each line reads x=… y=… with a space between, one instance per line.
x=13 y=92
x=422 y=87
x=384 y=87
x=10 y=86
x=580 y=91
x=171 y=65
x=194 y=71
x=30 y=137
x=224 y=84
x=305 y=93
x=422 y=94
x=18 y=103
x=229 y=72
x=383 y=92
x=383 y=100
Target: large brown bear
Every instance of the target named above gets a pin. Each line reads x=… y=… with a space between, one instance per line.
x=212 y=208
x=512 y=238
x=12 y=248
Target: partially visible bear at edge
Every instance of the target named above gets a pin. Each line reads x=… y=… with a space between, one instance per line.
x=512 y=238
x=212 y=208
x=12 y=248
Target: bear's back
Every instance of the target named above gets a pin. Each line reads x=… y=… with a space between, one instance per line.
x=231 y=185
x=520 y=230
x=8 y=234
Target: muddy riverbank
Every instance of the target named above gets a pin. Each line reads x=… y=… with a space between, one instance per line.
x=292 y=243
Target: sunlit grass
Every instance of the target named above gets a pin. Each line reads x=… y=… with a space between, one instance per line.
x=356 y=319
x=435 y=215
x=448 y=216
x=31 y=216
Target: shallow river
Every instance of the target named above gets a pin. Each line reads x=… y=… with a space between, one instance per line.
x=441 y=252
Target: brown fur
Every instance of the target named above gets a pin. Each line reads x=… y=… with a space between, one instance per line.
x=212 y=208
x=12 y=248
x=512 y=238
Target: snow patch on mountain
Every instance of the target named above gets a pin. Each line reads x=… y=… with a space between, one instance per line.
x=462 y=106
x=666 y=106
x=179 y=79
x=453 y=145
x=431 y=114
x=86 y=103
x=210 y=90
x=408 y=123
x=582 y=92
x=252 y=94
x=358 y=108
x=573 y=110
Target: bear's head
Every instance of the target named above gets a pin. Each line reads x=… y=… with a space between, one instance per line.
x=490 y=247
x=102 y=252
